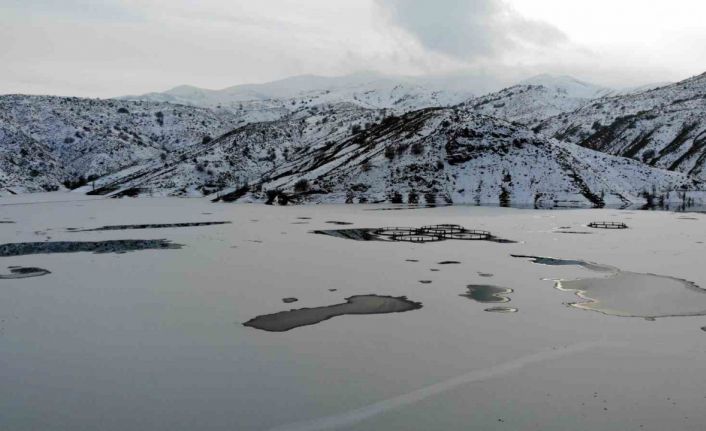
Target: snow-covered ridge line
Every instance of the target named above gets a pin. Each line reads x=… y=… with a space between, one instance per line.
x=663 y=127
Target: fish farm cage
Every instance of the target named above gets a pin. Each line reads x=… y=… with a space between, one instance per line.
x=396 y=231
x=418 y=238
x=433 y=233
x=607 y=225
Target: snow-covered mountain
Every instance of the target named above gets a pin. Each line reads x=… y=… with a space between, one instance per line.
x=664 y=127
x=432 y=155
x=274 y=100
x=570 y=86
x=541 y=97
x=89 y=137
x=362 y=139
x=448 y=155
x=544 y=96
x=244 y=155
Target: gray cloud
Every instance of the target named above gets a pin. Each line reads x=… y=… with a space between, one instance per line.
x=469 y=29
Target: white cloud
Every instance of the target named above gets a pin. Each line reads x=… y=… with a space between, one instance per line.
x=470 y=29
x=114 y=47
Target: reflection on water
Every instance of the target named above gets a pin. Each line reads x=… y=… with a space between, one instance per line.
x=361 y=304
x=22 y=272
x=150 y=226
x=501 y=310
x=486 y=293
x=354 y=234
x=630 y=294
x=551 y=261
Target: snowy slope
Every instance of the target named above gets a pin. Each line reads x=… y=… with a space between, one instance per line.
x=25 y=164
x=431 y=155
x=91 y=137
x=243 y=155
x=447 y=155
x=664 y=127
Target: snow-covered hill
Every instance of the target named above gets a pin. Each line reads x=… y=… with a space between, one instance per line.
x=90 y=137
x=664 y=127
x=431 y=155
x=274 y=100
x=447 y=155
x=538 y=98
x=362 y=139
x=25 y=164
x=244 y=155
x=544 y=96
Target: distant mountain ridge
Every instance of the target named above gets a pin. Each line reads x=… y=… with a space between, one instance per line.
x=274 y=100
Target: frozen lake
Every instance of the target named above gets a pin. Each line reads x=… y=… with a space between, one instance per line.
x=117 y=325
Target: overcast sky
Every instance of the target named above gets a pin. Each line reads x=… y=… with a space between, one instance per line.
x=114 y=47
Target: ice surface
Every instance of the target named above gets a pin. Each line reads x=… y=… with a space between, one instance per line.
x=154 y=339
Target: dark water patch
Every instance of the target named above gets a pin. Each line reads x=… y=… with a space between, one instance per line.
x=6 y=222
x=112 y=246
x=149 y=226
x=300 y=222
x=501 y=310
x=406 y=207
x=687 y=218
x=340 y=223
x=703 y=328
x=486 y=293
x=411 y=260
x=289 y=300
x=501 y=240
x=485 y=274
x=551 y=261
x=22 y=272
x=607 y=225
x=574 y=232
x=425 y=281
x=333 y=290
x=449 y=262
x=303 y=218
x=434 y=270
x=256 y=241
x=355 y=305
